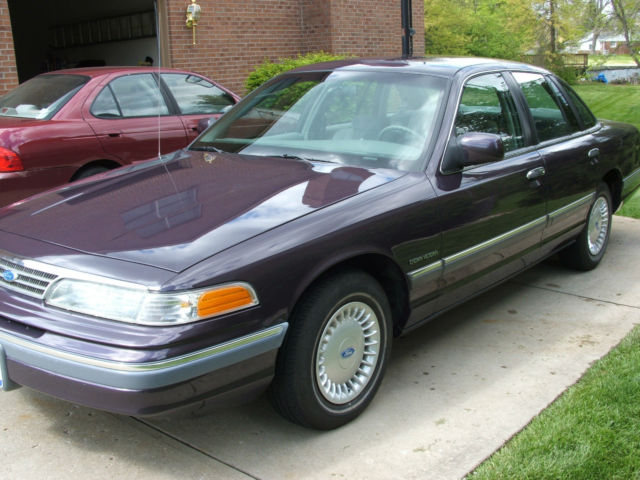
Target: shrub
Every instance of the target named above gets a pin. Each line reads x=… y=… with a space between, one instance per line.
x=571 y=75
x=269 y=69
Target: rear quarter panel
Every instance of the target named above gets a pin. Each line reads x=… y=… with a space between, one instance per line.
x=54 y=144
x=621 y=151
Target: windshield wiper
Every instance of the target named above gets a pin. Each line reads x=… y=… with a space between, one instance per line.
x=300 y=157
x=207 y=148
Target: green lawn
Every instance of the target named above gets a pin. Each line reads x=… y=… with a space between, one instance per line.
x=631 y=206
x=615 y=102
x=611 y=61
x=593 y=430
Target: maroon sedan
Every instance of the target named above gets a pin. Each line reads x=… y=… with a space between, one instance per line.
x=333 y=208
x=70 y=124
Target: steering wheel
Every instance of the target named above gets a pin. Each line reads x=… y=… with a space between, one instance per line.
x=400 y=131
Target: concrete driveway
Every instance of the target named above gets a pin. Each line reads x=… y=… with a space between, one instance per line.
x=454 y=392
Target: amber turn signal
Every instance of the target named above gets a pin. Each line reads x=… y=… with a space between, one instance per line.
x=226 y=299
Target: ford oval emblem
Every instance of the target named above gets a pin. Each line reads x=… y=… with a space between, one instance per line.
x=348 y=352
x=8 y=276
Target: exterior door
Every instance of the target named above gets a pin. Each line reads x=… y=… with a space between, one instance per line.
x=196 y=99
x=496 y=211
x=569 y=154
x=130 y=117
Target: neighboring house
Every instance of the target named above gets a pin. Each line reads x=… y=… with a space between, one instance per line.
x=605 y=45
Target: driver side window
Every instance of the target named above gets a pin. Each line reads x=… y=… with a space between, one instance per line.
x=486 y=106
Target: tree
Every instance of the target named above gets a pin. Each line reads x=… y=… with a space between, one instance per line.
x=503 y=29
x=627 y=12
x=447 y=26
x=488 y=28
x=560 y=24
x=596 y=20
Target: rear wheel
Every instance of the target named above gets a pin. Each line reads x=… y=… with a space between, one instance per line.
x=591 y=244
x=336 y=352
x=88 y=172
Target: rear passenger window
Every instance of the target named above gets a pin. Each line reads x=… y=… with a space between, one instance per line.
x=588 y=120
x=487 y=106
x=105 y=106
x=564 y=105
x=551 y=115
x=130 y=96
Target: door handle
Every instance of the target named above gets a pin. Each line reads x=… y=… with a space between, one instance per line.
x=594 y=155
x=114 y=134
x=536 y=173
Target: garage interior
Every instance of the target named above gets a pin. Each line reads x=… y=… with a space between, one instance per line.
x=67 y=33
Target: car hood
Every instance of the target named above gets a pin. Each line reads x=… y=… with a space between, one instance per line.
x=176 y=211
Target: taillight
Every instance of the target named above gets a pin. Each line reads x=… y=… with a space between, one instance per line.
x=9 y=161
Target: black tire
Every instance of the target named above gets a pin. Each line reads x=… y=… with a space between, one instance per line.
x=309 y=387
x=88 y=172
x=590 y=246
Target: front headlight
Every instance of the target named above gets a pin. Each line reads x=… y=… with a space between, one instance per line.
x=135 y=304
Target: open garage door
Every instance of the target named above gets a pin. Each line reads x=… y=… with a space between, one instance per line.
x=68 y=33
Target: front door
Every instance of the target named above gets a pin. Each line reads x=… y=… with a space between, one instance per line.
x=496 y=212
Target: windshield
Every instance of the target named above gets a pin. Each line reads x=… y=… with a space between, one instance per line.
x=368 y=119
x=41 y=97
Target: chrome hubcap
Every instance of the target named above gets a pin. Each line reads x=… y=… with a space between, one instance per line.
x=348 y=352
x=598 y=225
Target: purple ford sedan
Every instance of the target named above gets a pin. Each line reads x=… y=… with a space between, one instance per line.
x=334 y=208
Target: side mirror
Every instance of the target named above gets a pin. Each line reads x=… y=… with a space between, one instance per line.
x=205 y=123
x=478 y=148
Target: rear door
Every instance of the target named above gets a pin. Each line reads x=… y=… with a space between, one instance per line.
x=570 y=152
x=494 y=213
x=132 y=119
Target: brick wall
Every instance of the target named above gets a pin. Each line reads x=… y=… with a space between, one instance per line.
x=366 y=27
x=418 y=26
x=316 y=21
x=233 y=36
x=8 y=71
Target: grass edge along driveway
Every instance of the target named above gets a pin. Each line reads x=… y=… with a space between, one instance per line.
x=590 y=431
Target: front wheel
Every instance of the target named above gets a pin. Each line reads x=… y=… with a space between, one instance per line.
x=336 y=352
x=591 y=244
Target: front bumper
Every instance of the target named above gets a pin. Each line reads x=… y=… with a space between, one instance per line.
x=142 y=388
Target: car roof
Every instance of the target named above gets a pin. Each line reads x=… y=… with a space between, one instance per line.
x=99 y=71
x=447 y=66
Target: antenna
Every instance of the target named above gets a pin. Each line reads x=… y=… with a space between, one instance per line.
x=158 y=62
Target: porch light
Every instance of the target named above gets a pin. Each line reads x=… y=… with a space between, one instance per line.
x=193 y=15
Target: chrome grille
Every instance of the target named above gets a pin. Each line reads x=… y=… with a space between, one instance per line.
x=25 y=280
